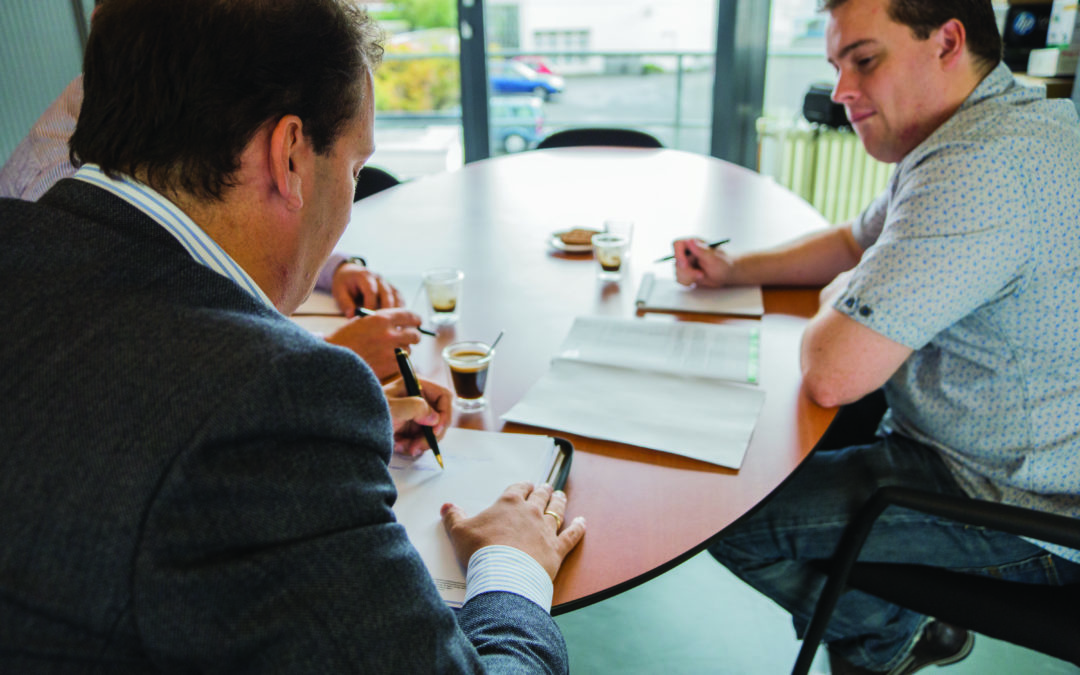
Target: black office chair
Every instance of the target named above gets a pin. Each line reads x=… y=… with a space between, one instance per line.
x=627 y=138
x=373 y=180
x=1043 y=618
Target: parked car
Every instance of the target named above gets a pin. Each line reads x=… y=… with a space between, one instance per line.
x=536 y=63
x=517 y=122
x=514 y=77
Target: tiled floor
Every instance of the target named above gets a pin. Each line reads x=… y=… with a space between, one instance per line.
x=698 y=618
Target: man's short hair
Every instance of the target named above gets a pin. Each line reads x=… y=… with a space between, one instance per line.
x=175 y=90
x=925 y=16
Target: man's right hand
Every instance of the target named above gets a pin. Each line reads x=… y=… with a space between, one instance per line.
x=696 y=263
x=517 y=519
x=374 y=338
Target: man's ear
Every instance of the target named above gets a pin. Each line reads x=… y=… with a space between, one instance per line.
x=951 y=40
x=287 y=147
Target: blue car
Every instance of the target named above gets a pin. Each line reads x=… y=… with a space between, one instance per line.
x=514 y=77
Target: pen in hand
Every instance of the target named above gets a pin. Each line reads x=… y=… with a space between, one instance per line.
x=712 y=245
x=412 y=388
x=364 y=311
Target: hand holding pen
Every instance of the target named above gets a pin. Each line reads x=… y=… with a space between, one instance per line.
x=701 y=264
x=414 y=409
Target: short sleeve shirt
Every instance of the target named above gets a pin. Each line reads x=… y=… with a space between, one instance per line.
x=972 y=259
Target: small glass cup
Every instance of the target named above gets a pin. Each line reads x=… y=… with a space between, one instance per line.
x=610 y=251
x=469 y=363
x=443 y=286
x=623 y=228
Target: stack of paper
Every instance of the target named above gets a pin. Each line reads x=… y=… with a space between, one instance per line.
x=679 y=387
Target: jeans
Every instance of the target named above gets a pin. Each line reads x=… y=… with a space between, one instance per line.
x=805 y=518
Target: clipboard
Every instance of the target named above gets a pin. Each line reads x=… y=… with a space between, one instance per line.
x=560 y=468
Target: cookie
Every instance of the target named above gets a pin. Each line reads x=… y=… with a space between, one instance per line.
x=579 y=236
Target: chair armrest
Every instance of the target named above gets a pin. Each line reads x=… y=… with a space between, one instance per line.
x=1022 y=522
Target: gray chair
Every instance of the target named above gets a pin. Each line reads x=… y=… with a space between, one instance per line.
x=1043 y=618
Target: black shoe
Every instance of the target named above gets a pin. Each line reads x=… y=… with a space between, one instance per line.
x=940 y=644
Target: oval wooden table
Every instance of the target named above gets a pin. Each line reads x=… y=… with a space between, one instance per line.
x=646 y=511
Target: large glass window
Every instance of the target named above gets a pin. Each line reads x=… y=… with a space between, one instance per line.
x=827 y=167
x=418 y=89
x=641 y=64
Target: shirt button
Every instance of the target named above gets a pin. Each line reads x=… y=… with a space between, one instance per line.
x=865 y=310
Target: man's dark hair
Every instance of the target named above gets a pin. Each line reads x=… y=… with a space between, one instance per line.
x=175 y=89
x=925 y=16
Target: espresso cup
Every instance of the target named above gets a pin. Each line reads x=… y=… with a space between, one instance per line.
x=443 y=286
x=610 y=251
x=469 y=363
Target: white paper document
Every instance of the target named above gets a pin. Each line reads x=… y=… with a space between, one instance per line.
x=681 y=348
x=664 y=294
x=480 y=465
x=622 y=380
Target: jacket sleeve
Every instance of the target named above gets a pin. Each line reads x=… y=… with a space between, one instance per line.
x=271 y=546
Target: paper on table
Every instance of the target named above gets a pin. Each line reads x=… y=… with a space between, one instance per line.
x=695 y=417
x=664 y=294
x=479 y=467
x=699 y=349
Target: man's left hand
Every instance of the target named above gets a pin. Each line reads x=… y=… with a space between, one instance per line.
x=352 y=282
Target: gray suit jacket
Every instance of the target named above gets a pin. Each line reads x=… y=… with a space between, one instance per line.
x=190 y=483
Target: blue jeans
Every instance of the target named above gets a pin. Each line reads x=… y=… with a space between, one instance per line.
x=804 y=519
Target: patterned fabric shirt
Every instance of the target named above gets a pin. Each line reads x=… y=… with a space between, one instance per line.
x=42 y=158
x=972 y=259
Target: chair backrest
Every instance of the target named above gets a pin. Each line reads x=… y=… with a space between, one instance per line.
x=373 y=180
x=627 y=138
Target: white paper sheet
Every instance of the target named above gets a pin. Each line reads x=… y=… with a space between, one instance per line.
x=686 y=348
x=480 y=465
x=705 y=419
x=658 y=293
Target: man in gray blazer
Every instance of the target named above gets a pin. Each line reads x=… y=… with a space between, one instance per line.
x=188 y=481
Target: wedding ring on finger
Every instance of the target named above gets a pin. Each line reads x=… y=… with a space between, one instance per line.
x=557 y=517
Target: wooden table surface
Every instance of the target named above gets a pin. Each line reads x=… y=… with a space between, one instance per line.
x=646 y=511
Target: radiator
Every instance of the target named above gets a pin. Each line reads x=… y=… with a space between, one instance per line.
x=827 y=167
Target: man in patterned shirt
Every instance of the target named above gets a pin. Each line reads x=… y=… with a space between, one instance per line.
x=956 y=293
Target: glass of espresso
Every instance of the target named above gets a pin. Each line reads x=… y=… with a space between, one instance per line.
x=443 y=286
x=468 y=363
x=610 y=251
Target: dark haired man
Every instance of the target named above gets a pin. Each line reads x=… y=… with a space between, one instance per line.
x=955 y=291
x=43 y=158
x=188 y=481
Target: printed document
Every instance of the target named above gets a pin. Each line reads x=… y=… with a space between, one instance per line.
x=678 y=387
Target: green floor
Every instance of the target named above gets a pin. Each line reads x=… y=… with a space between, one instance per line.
x=698 y=618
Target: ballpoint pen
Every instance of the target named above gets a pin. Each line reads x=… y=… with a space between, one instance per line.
x=412 y=388
x=364 y=311
x=712 y=245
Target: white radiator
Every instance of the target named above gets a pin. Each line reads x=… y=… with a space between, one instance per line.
x=827 y=167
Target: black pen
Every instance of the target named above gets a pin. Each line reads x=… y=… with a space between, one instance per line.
x=412 y=388
x=364 y=311
x=712 y=245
